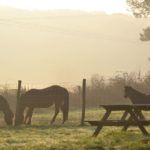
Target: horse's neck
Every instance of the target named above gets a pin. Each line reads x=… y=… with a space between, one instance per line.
x=137 y=97
x=139 y=94
x=7 y=111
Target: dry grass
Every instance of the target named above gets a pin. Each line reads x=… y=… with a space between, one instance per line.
x=71 y=136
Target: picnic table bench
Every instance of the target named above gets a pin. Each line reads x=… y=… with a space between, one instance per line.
x=136 y=117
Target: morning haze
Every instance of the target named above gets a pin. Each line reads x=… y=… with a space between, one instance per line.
x=65 y=46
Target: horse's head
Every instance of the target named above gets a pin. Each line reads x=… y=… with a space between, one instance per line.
x=9 y=117
x=127 y=91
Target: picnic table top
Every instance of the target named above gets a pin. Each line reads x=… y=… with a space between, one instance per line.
x=126 y=106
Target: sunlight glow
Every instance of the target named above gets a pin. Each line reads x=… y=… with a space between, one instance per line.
x=108 y=6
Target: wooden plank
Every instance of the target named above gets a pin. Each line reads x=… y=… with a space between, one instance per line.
x=100 y=126
x=125 y=114
x=118 y=123
x=17 y=103
x=83 y=101
x=139 y=124
x=145 y=107
x=125 y=107
x=139 y=115
x=116 y=107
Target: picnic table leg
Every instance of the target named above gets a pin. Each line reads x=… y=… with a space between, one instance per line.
x=139 y=115
x=99 y=127
x=127 y=126
x=135 y=118
x=124 y=115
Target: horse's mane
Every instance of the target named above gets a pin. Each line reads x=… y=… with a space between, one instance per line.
x=135 y=96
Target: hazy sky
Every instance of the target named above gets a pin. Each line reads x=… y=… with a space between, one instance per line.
x=63 y=47
x=108 y=6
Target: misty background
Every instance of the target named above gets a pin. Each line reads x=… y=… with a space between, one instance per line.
x=66 y=46
x=63 y=47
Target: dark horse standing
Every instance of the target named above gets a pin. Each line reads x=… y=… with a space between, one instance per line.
x=135 y=96
x=4 y=107
x=44 y=98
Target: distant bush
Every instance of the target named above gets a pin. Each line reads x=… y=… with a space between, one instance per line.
x=98 y=91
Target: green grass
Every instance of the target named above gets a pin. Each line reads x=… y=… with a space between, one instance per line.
x=71 y=136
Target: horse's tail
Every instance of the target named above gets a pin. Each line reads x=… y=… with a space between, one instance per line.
x=66 y=107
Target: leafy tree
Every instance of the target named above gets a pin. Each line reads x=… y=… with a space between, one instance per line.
x=141 y=8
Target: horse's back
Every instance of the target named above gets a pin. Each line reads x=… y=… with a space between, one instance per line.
x=52 y=90
x=44 y=97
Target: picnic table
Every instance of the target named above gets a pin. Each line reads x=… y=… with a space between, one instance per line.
x=136 y=117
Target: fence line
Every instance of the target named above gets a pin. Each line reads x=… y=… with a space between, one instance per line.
x=39 y=85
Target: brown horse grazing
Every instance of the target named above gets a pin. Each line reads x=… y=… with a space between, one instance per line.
x=135 y=96
x=44 y=98
x=8 y=114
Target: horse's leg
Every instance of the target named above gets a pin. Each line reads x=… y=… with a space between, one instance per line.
x=30 y=112
x=56 y=113
x=26 y=116
x=62 y=109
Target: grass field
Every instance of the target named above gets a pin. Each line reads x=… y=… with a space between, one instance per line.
x=71 y=136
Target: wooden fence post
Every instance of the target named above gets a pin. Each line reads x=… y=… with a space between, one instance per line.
x=17 y=102
x=83 y=101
